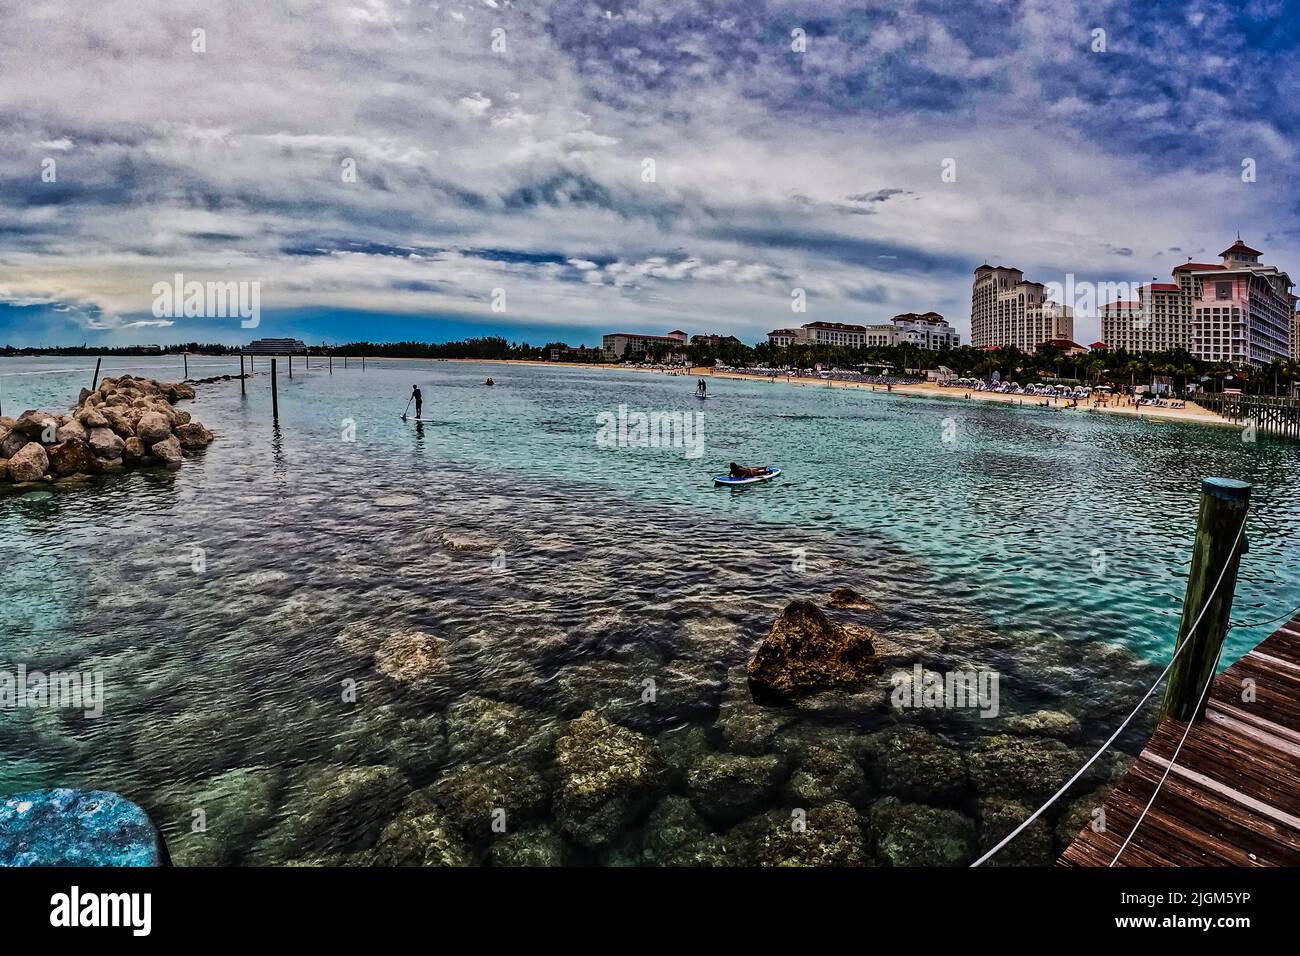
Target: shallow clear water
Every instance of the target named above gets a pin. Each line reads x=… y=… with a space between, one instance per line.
x=564 y=575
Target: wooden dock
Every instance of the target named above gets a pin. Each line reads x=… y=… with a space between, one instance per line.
x=1233 y=797
x=1270 y=416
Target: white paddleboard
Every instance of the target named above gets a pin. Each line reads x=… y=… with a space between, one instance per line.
x=727 y=480
x=427 y=421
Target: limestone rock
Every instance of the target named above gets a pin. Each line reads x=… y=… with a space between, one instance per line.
x=72 y=429
x=106 y=444
x=37 y=425
x=192 y=435
x=851 y=600
x=153 y=427
x=168 y=452
x=806 y=651
x=12 y=443
x=72 y=457
x=29 y=463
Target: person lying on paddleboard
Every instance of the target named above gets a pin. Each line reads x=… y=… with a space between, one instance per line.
x=740 y=471
x=419 y=400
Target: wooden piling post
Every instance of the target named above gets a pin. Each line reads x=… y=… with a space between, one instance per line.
x=186 y=357
x=275 y=394
x=1216 y=552
x=95 y=384
x=243 y=385
x=331 y=363
x=291 y=365
x=363 y=363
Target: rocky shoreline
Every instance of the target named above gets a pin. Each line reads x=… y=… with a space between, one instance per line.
x=124 y=423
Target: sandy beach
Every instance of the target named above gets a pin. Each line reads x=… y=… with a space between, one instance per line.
x=1190 y=413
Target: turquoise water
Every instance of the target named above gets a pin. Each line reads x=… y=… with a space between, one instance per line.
x=563 y=574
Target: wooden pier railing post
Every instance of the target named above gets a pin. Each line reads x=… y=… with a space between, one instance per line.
x=242 y=379
x=1217 y=551
x=275 y=395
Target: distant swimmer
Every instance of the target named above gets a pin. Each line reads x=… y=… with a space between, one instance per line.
x=489 y=382
x=418 y=399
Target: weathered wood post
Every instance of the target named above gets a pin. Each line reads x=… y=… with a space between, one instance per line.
x=186 y=357
x=363 y=363
x=331 y=363
x=275 y=394
x=1217 y=551
x=345 y=361
x=95 y=384
x=291 y=365
x=306 y=360
x=243 y=389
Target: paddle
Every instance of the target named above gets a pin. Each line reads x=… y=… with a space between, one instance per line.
x=408 y=407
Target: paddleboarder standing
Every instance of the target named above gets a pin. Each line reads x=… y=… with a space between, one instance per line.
x=419 y=400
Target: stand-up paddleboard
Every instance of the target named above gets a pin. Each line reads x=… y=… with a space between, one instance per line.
x=727 y=480
x=427 y=421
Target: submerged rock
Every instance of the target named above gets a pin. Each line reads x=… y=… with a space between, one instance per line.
x=911 y=762
x=536 y=845
x=480 y=728
x=729 y=787
x=420 y=835
x=1045 y=723
x=413 y=657
x=477 y=796
x=829 y=835
x=235 y=806
x=909 y=834
x=336 y=809
x=850 y=600
x=806 y=651
x=609 y=776
x=823 y=774
x=1031 y=768
x=998 y=816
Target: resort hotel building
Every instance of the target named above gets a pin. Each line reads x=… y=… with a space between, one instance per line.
x=928 y=331
x=1009 y=311
x=1237 y=310
x=618 y=344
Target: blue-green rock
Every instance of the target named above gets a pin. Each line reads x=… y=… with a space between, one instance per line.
x=66 y=827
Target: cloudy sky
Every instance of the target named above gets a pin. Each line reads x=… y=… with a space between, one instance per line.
x=501 y=145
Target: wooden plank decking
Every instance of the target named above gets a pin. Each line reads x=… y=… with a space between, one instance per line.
x=1233 y=798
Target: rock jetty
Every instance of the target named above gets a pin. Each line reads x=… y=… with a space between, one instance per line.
x=124 y=423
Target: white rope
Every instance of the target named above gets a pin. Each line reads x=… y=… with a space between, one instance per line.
x=1118 y=730
x=1174 y=758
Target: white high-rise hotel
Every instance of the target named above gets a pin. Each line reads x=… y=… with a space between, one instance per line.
x=1006 y=310
x=1238 y=311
